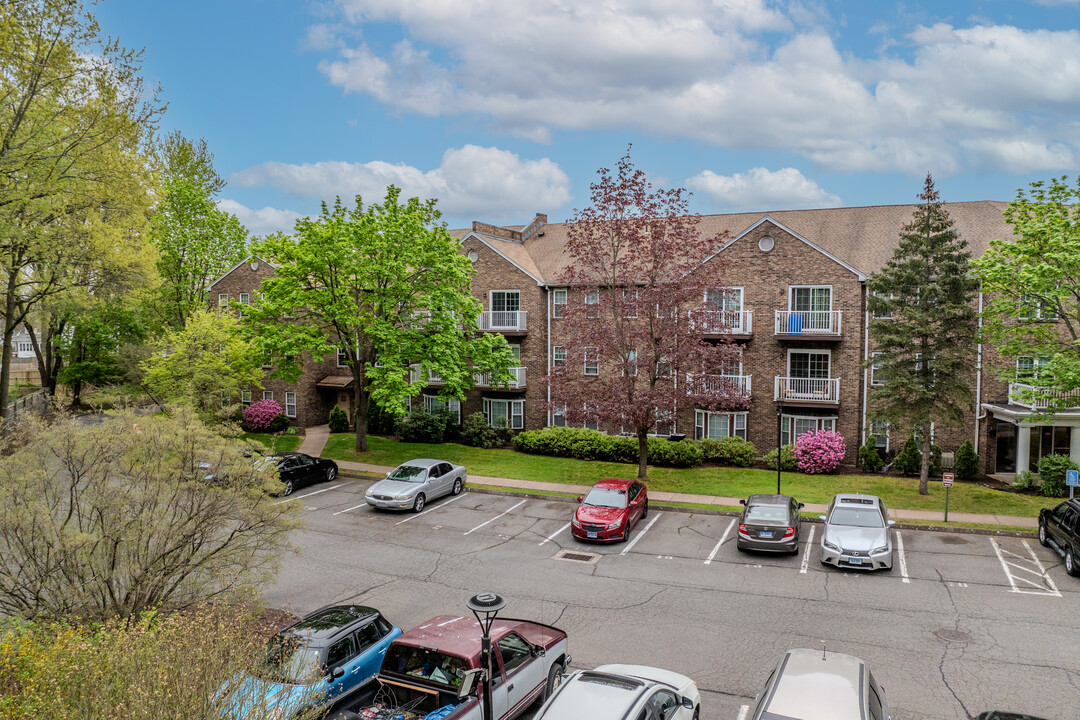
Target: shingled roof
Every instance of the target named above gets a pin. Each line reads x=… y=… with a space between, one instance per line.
x=863 y=237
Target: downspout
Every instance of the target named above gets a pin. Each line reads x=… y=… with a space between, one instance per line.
x=548 y=305
x=978 y=378
x=866 y=370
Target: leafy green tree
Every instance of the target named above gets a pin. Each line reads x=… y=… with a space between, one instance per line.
x=925 y=326
x=1033 y=288
x=387 y=287
x=73 y=117
x=204 y=364
x=197 y=241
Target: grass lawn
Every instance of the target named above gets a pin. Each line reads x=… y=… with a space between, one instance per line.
x=275 y=443
x=729 y=482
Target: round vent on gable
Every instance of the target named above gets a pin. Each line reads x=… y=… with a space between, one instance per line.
x=254 y=264
x=766 y=244
x=473 y=255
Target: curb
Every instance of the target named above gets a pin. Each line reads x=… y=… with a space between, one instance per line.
x=729 y=513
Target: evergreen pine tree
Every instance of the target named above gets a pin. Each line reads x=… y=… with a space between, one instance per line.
x=925 y=326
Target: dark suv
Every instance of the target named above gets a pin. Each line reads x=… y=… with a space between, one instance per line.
x=1060 y=529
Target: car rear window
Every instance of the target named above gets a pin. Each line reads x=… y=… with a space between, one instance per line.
x=425 y=663
x=766 y=514
x=606 y=497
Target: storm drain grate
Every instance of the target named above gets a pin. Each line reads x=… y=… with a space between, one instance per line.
x=574 y=556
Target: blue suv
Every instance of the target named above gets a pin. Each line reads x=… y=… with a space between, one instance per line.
x=313 y=663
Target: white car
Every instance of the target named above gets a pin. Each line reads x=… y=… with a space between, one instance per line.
x=624 y=692
x=857 y=533
x=412 y=485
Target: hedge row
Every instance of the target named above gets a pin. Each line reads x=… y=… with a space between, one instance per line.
x=586 y=444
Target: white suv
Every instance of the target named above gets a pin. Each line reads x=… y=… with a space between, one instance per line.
x=624 y=692
x=819 y=685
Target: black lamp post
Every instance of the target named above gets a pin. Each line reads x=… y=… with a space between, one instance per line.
x=779 y=447
x=487 y=604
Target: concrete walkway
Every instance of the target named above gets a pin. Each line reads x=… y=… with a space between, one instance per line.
x=315 y=440
x=811 y=509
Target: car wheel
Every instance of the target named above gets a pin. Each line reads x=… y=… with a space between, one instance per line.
x=288 y=488
x=645 y=512
x=739 y=547
x=331 y=473
x=697 y=712
x=1042 y=535
x=626 y=532
x=554 y=680
x=418 y=503
x=1070 y=564
x=457 y=487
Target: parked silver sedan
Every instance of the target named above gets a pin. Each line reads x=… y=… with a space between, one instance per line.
x=411 y=485
x=857 y=533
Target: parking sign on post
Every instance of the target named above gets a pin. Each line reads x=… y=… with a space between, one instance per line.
x=946 y=480
x=1072 y=478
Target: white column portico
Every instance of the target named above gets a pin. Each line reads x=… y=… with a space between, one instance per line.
x=1074 y=444
x=1023 y=447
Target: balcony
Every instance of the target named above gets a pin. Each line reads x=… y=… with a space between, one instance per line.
x=504 y=321
x=730 y=385
x=808 y=324
x=807 y=391
x=434 y=378
x=736 y=324
x=1040 y=398
x=517 y=380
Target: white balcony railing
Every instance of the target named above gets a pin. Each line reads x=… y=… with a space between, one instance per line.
x=434 y=378
x=727 y=384
x=808 y=322
x=517 y=379
x=503 y=320
x=717 y=322
x=824 y=390
x=1038 y=398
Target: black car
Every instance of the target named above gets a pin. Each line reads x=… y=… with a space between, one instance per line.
x=1060 y=529
x=769 y=522
x=297 y=469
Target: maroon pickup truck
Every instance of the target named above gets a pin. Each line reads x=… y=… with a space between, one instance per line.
x=427 y=672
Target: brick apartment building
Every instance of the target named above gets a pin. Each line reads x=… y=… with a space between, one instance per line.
x=795 y=300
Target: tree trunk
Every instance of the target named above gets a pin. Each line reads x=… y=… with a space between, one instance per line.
x=5 y=355
x=924 y=470
x=643 y=454
x=363 y=399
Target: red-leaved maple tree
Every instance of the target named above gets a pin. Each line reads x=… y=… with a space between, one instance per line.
x=634 y=355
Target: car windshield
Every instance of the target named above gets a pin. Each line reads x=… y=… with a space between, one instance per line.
x=856 y=517
x=408 y=473
x=287 y=660
x=606 y=497
x=767 y=514
x=425 y=663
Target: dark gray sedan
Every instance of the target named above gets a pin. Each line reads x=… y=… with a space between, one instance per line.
x=769 y=522
x=413 y=484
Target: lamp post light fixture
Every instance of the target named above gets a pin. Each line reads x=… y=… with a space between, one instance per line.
x=487 y=604
x=779 y=447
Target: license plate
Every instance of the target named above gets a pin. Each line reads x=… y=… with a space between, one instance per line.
x=592 y=534
x=855 y=561
x=765 y=534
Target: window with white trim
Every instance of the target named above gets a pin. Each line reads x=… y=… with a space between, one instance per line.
x=886 y=314
x=729 y=302
x=880 y=430
x=1032 y=308
x=245 y=298
x=665 y=423
x=630 y=302
x=24 y=346
x=592 y=304
x=268 y=394
x=504 y=413
x=630 y=364
x=434 y=403
x=558 y=355
x=1027 y=368
x=558 y=302
x=877 y=377
x=505 y=300
x=719 y=425
x=592 y=360
x=290 y=404
x=558 y=416
x=342 y=358
x=268 y=359
x=663 y=367
x=223 y=300
x=245 y=397
x=792 y=426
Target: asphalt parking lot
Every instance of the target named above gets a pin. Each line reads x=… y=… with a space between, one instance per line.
x=963 y=623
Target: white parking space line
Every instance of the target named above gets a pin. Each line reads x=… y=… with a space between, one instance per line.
x=496 y=517
x=1020 y=569
x=722 y=539
x=431 y=510
x=640 y=534
x=742 y=712
x=552 y=535
x=806 y=552
x=902 y=558
x=351 y=509
x=301 y=497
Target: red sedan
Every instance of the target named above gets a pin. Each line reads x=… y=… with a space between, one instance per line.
x=610 y=509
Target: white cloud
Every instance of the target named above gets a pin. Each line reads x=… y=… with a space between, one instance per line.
x=735 y=73
x=758 y=188
x=471 y=181
x=261 y=222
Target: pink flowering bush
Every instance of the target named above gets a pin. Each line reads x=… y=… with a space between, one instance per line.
x=259 y=415
x=819 y=452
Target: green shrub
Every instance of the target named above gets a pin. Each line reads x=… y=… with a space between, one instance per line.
x=422 y=427
x=730 y=451
x=451 y=425
x=787 y=458
x=966 y=462
x=935 y=461
x=478 y=433
x=379 y=421
x=280 y=423
x=683 y=454
x=585 y=444
x=869 y=457
x=1052 y=469
x=909 y=460
x=1026 y=480
x=339 y=421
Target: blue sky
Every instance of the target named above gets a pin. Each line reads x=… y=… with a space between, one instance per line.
x=505 y=108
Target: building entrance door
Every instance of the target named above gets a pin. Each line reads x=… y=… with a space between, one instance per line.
x=1006 y=447
x=344 y=401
